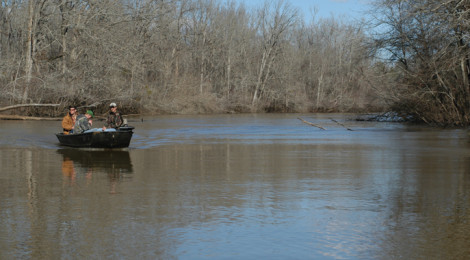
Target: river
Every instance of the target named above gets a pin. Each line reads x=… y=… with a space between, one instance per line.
x=237 y=187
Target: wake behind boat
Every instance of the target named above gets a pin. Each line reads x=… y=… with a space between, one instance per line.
x=120 y=138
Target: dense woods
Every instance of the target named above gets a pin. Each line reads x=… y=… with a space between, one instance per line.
x=427 y=43
x=209 y=56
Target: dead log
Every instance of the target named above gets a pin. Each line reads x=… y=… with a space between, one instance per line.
x=28 y=105
x=349 y=129
x=18 y=117
x=312 y=124
x=14 y=117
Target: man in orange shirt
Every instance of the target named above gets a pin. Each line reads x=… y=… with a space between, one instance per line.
x=69 y=120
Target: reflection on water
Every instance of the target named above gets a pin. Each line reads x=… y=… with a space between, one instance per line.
x=115 y=163
x=206 y=192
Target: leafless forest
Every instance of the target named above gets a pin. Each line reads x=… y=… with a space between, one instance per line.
x=215 y=56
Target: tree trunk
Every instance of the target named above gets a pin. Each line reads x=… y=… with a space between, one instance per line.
x=229 y=71
x=264 y=60
x=29 y=50
x=201 y=73
x=465 y=75
x=64 y=29
x=319 y=88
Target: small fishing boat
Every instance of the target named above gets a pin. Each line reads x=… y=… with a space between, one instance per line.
x=99 y=139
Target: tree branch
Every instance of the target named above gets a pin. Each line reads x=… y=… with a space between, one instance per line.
x=312 y=124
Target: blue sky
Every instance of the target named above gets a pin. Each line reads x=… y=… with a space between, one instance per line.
x=339 y=8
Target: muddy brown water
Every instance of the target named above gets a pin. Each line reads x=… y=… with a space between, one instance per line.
x=237 y=187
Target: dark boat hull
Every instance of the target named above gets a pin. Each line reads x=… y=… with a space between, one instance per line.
x=118 y=139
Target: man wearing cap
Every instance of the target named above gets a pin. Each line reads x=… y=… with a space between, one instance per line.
x=83 y=122
x=69 y=120
x=114 y=118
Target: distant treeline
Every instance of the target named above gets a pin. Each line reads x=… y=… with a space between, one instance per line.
x=213 y=56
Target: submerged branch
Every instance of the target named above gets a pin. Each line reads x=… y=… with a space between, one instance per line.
x=312 y=124
x=349 y=129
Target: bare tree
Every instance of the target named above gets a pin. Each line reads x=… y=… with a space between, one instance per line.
x=428 y=41
x=181 y=56
x=274 y=23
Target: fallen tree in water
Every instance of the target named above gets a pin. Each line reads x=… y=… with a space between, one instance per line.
x=14 y=117
x=28 y=105
x=386 y=117
x=19 y=117
x=310 y=123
